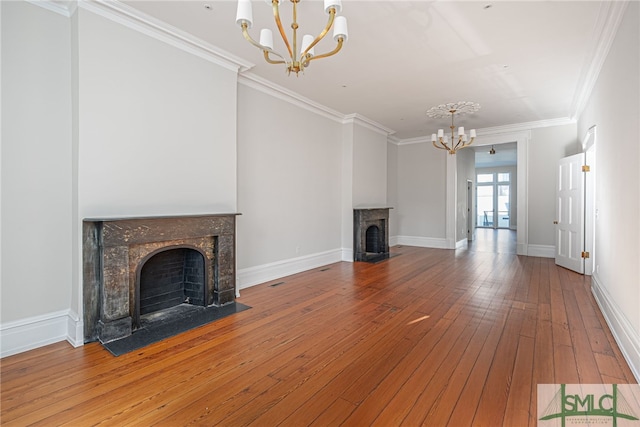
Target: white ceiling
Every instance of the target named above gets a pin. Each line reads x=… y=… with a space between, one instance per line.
x=522 y=61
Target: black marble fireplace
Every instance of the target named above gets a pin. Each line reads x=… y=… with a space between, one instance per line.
x=136 y=266
x=370 y=234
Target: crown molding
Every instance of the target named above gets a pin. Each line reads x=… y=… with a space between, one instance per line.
x=605 y=30
x=498 y=130
x=258 y=83
x=160 y=30
x=409 y=141
x=525 y=126
x=263 y=85
x=64 y=8
x=367 y=123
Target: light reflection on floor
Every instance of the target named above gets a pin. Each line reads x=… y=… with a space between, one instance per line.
x=500 y=240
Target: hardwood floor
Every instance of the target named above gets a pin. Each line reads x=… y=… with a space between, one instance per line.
x=428 y=337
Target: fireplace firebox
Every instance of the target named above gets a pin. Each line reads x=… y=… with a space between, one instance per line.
x=136 y=266
x=370 y=234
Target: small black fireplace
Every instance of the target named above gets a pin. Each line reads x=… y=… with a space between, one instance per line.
x=370 y=234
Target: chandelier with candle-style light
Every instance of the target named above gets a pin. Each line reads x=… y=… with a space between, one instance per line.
x=441 y=140
x=297 y=60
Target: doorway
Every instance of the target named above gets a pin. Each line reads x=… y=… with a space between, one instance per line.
x=493 y=200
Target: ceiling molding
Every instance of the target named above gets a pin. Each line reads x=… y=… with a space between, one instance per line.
x=526 y=126
x=64 y=8
x=416 y=140
x=604 y=33
x=253 y=81
x=159 y=30
x=368 y=123
x=515 y=128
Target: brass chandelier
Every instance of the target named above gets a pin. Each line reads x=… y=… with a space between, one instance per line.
x=441 y=140
x=297 y=60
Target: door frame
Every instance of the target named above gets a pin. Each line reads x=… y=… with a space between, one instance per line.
x=471 y=212
x=590 y=212
x=521 y=138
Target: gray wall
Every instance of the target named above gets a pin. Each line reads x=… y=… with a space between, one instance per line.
x=614 y=109
x=547 y=146
x=37 y=168
x=289 y=188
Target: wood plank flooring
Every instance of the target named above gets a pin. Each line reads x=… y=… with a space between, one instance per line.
x=428 y=337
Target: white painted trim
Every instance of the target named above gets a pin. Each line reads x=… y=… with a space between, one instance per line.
x=503 y=133
x=462 y=244
x=347 y=254
x=602 y=37
x=543 y=251
x=424 y=242
x=368 y=123
x=75 y=329
x=524 y=127
x=623 y=332
x=393 y=241
x=65 y=9
x=451 y=199
x=37 y=331
x=252 y=276
x=255 y=82
x=160 y=30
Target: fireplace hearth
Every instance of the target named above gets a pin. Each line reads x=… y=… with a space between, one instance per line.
x=370 y=234
x=137 y=267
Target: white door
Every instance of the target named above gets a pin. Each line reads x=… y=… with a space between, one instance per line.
x=570 y=213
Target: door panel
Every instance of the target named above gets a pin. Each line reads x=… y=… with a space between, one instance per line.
x=570 y=213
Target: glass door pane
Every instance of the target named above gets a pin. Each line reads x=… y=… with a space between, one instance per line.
x=484 y=208
x=503 y=205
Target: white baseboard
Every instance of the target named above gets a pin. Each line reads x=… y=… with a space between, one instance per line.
x=75 y=326
x=542 y=251
x=37 y=331
x=462 y=244
x=252 y=276
x=625 y=335
x=347 y=255
x=423 y=242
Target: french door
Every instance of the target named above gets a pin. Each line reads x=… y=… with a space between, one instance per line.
x=493 y=196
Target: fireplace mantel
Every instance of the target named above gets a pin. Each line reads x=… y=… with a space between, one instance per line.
x=114 y=249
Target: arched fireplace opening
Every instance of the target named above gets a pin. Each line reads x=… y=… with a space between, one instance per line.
x=373 y=243
x=171 y=277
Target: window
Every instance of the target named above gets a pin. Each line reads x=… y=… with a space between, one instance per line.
x=493 y=196
x=485 y=177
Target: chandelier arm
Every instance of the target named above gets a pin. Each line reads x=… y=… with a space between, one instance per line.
x=444 y=145
x=437 y=146
x=271 y=61
x=332 y=15
x=266 y=50
x=458 y=144
x=248 y=37
x=276 y=15
x=333 y=52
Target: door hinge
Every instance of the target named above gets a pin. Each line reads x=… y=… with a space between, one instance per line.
x=586 y=168
x=585 y=254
